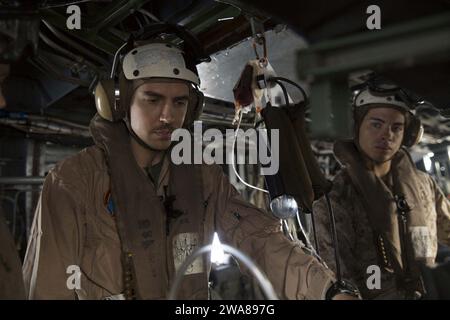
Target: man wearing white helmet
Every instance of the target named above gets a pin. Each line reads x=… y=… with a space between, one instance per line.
x=124 y=216
x=388 y=214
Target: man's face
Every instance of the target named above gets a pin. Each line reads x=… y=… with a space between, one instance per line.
x=381 y=133
x=157 y=109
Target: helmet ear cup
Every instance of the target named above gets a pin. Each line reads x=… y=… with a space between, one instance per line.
x=104 y=99
x=198 y=108
x=195 y=108
x=108 y=105
x=413 y=133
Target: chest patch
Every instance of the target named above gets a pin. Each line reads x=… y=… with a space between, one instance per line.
x=422 y=242
x=184 y=244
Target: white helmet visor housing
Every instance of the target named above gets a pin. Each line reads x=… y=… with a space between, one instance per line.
x=158 y=60
x=366 y=97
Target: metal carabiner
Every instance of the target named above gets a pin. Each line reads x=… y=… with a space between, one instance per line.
x=259 y=39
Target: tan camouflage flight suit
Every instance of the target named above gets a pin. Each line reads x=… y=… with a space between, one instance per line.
x=73 y=227
x=355 y=235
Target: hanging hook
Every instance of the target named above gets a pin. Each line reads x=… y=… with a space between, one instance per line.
x=262 y=60
x=259 y=40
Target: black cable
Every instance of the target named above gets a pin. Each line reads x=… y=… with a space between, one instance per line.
x=258 y=123
x=305 y=97
x=335 y=241
x=285 y=93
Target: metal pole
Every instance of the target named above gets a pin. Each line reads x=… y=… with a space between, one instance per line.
x=28 y=180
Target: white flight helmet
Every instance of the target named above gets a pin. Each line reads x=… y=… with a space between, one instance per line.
x=158 y=60
x=153 y=60
x=372 y=96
